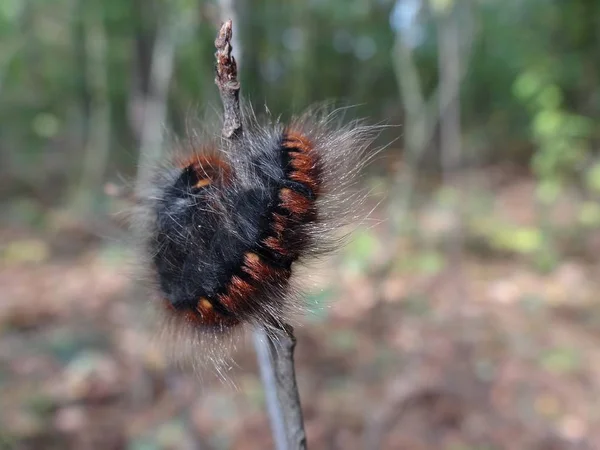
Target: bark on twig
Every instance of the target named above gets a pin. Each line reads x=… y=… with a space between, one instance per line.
x=275 y=347
x=276 y=360
x=281 y=349
x=229 y=86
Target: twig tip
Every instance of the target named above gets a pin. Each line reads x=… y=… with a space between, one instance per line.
x=227 y=82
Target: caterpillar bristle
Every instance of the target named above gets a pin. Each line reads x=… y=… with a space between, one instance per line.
x=223 y=226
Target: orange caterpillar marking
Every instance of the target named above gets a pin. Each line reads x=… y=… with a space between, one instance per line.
x=295 y=203
x=274 y=244
x=297 y=140
x=202 y=183
x=208 y=168
x=238 y=293
x=200 y=318
x=203 y=315
x=303 y=160
x=279 y=224
x=251 y=258
x=207 y=313
x=259 y=270
x=204 y=305
x=262 y=271
x=306 y=179
x=306 y=170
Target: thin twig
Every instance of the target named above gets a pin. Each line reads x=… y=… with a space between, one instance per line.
x=263 y=355
x=282 y=343
x=229 y=86
x=275 y=346
x=275 y=352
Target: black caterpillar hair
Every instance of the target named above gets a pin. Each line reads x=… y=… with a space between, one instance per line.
x=224 y=224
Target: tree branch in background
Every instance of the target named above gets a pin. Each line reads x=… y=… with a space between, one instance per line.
x=97 y=144
x=422 y=115
x=449 y=66
x=275 y=347
x=449 y=63
x=155 y=103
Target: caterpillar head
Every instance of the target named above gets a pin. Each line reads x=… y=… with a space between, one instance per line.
x=224 y=227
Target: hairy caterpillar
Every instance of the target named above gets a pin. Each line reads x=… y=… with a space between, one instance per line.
x=223 y=225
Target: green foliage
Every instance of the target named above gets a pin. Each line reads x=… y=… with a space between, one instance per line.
x=589 y=215
x=361 y=250
x=561 y=360
x=426 y=262
x=562 y=138
x=527 y=96
x=592 y=178
x=505 y=237
x=292 y=54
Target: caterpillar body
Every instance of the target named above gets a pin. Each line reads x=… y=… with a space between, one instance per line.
x=223 y=226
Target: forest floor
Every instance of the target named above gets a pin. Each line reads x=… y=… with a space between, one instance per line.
x=408 y=348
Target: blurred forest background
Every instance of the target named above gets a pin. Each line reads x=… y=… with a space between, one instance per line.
x=467 y=318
